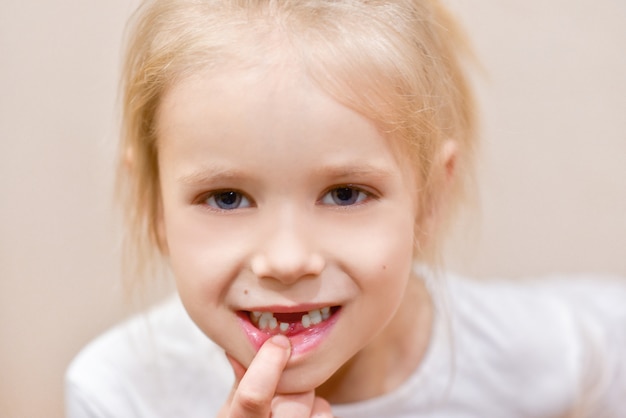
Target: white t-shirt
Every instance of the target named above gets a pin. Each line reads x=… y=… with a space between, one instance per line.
x=499 y=349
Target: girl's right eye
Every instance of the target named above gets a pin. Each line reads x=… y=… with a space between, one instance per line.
x=227 y=200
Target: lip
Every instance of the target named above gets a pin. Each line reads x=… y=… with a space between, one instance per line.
x=302 y=340
x=289 y=309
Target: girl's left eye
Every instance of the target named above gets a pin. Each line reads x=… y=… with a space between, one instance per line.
x=344 y=196
x=227 y=200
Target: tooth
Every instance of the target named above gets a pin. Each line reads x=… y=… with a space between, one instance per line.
x=256 y=314
x=306 y=321
x=264 y=319
x=273 y=323
x=325 y=313
x=316 y=316
x=284 y=326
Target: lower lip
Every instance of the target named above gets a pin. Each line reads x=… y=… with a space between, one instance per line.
x=301 y=342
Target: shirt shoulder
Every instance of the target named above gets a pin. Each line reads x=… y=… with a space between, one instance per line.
x=156 y=364
x=556 y=339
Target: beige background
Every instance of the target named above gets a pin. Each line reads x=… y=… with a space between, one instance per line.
x=553 y=176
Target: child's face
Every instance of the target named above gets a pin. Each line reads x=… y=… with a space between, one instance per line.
x=278 y=200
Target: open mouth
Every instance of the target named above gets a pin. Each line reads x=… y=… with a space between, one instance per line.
x=290 y=323
x=306 y=330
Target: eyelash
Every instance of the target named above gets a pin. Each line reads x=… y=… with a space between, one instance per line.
x=362 y=195
x=326 y=199
x=230 y=193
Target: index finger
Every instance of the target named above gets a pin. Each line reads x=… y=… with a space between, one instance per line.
x=253 y=397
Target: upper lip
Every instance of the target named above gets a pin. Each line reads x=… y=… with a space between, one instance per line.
x=290 y=309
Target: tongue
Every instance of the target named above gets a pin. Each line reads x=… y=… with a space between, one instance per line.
x=289 y=317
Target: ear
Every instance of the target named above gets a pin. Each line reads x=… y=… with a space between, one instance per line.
x=161 y=237
x=438 y=193
x=443 y=174
x=129 y=158
x=446 y=159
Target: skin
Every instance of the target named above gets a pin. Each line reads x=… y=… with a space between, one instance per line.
x=253 y=394
x=285 y=148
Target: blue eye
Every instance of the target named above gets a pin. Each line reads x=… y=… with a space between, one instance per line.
x=228 y=200
x=344 y=196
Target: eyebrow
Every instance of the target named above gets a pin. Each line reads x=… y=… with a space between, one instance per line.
x=354 y=170
x=330 y=171
x=208 y=173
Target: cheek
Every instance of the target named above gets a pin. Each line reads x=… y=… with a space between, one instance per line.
x=205 y=260
x=204 y=257
x=378 y=246
x=387 y=270
x=389 y=251
x=378 y=256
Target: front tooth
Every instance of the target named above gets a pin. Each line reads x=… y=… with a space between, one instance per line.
x=255 y=315
x=315 y=316
x=306 y=321
x=265 y=319
x=273 y=323
x=284 y=326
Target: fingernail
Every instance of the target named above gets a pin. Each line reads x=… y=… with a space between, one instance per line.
x=280 y=341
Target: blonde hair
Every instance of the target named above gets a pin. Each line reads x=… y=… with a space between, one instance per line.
x=399 y=63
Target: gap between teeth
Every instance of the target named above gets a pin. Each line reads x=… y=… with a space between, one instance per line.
x=266 y=320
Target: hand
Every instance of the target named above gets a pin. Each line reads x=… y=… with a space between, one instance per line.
x=254 y=393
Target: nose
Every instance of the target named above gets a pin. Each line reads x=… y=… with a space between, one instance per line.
x=287 y=253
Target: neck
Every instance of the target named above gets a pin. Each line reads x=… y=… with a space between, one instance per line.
x=394 y=354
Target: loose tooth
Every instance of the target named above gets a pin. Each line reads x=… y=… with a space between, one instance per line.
x=264 y=319
x=273 y=323
x=306 y=321
x=284 y=326
x=316 y=316
x=263 y=322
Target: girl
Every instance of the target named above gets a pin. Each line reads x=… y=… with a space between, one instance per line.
x=296 y=162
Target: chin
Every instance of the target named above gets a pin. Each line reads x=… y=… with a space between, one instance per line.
x=302 y=379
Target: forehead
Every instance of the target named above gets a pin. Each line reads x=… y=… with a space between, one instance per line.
x=281 y=56
x=271 y=111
